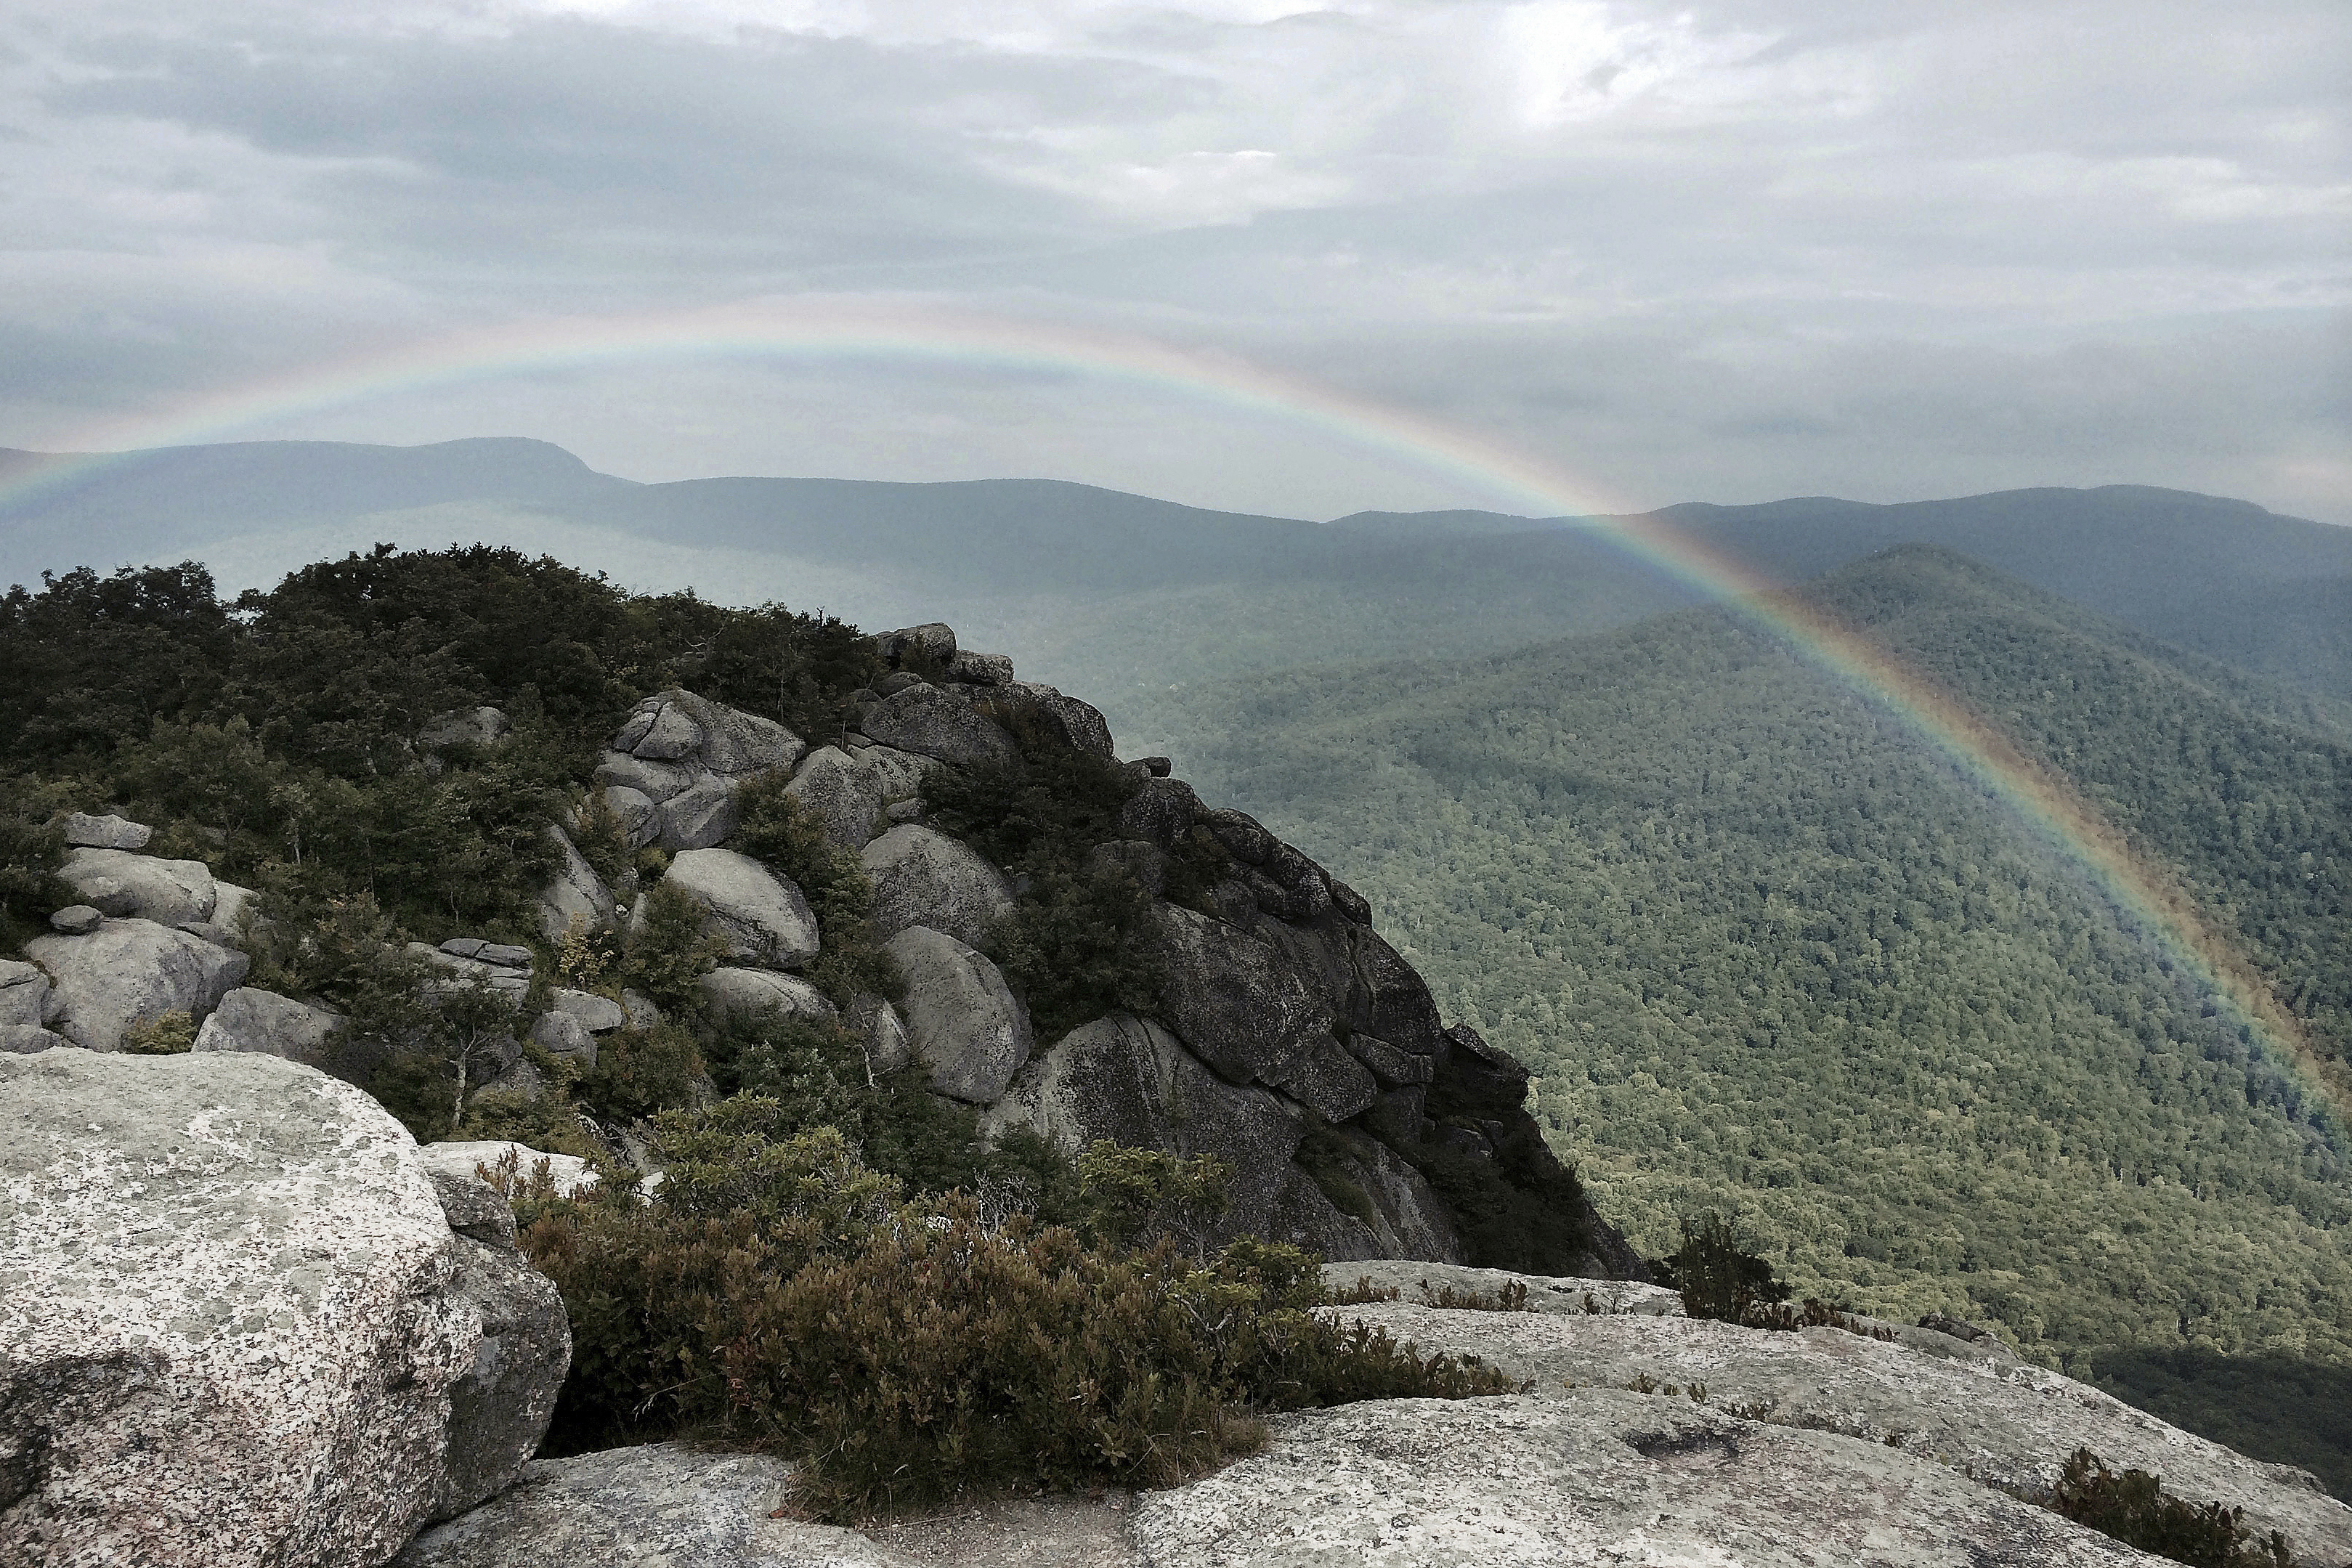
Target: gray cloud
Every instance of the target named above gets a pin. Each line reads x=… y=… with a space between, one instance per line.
x=1749 y=249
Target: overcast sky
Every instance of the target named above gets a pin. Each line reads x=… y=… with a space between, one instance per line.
x=1725 y=252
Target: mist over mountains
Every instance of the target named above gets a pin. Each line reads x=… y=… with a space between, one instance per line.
x=1135 y=594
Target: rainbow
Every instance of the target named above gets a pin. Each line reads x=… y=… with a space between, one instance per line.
x=2145 y=892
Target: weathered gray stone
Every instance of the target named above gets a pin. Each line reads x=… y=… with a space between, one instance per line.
x=474 y=1208
x=1328 y=1081
x=562 y=1035
x=463 y=726
x=639 y=818
x=1596 y=1477
x=928 y=722
x=250 y=1019
x=597 y=1015
x=107 y=833
x=1076 y=723
x=1232 y=998
x=1546 y=1293
x=1393 y=1067
x=672 y=734
x=575 y=898
x=2003 y=1424
x=883 y=1032
x=1131 y=1081
x=78 y=919
x=1161 y=812
x=232 y=906
x=120 y=885
x=934 y=640
x=640 y=1008
x=24 y=1038
x=847 y=790
x=665 y=1506
x=756 y=914
x=132 y=971
x=235 y=1320
x=964 y=1021
x=979 y=669
x=461 y=968
x=677 y=725
x=755 y=991
x=657 y=781
x=922 y=877
x=703 y=818
x=903 y=811
x=23 y=993
x=500 y=1405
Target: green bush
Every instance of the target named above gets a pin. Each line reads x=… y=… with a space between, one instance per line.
x=32 y=848
x=776 y=829
x=1719 y=1279
x=1128 y=1197
x=669 y=950
x=2133 y=1508
x=641 y=1071
x=776 y=1292
x=1074 y=948
x=167 y=1034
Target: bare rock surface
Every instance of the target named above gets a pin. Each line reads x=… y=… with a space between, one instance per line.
x=962 y=1020
x=468 y=1157
x=251 y=1019
x=2004 y=1425
x=755 y=991
x=847 y=790
x=132 y=971
x=233 y=1319
x=575 y=898
x=756 y=914
x=663 y=1505
x=120 y=883
x=1058 y=1530
x=596 y=1014
x=931 y=723
x=922 y=877
x=1409 y=1277
x=1231 y=998
x=24 y=993
x=1599 y=1477
x=106 y=832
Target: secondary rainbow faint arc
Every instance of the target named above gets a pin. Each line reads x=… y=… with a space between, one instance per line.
x=2145 y=890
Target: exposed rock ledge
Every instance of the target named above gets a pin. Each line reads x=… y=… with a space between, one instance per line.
x=237 y=1326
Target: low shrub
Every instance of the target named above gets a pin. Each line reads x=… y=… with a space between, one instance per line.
x=166 y=1034
x=669 y=950
x=2133 y=1508
x=1073 y=948
x=778 y=1292
x=776 y=829
x=1719 y=1279
x=641 y=1071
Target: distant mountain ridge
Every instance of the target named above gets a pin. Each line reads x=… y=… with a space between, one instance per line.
x=1133 y=593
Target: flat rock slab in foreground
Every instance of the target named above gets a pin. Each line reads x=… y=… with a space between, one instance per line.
x=2001 y=1424
x=661 y=1504
x=1597 y=1478
x=234 y=1321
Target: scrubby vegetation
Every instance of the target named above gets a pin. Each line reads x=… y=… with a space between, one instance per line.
x=778 y=1291
x=2133 y=1508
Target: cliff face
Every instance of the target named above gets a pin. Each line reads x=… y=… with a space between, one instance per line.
x=1255 y=1016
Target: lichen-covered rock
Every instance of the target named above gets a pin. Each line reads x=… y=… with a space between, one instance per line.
x=2003 y=1424
x=934 y=640
x=234 y=1317
x=597 y=1015
x=106 y=832
x=849 y=791
x=751 y=992
x=24 y=1038
x=77 y=919
x=962 y=1020
x=677 y=725
x=703 y=817
x=1065 y=718
x=930 y=723
x=24 y=993
x=1328 y=1081
x=132 y=971
x=575 y=898
x=1594 y=1476
x=563 y=1036
x=922 y=877
x=469 y=961
x=1232 y=998
x=121 y=885
x=663 y=1504
x=251 y=1019
x=754 y=912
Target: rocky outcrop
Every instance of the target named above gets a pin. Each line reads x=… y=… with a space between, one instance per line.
x=962 y=1020
x=235 y=1325
x=925 y=878
x=1596 y=1475
x=131 y=971
x=753 y=992
x=250 y=1019
x=673 y=768
x=754 y=912
x=122 y=884
x=106 y=832
x=575 y=899
x=851 y=791
x=468 y=1158
x=930 y=722
x=664 y=1503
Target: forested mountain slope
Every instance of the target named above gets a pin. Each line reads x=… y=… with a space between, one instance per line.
x=1760 y=944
